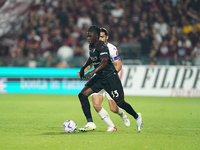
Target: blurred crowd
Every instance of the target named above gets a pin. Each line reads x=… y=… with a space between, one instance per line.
x=54 y=34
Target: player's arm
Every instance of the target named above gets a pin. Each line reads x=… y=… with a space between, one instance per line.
x=115 y=57
x=88 y=68
x=88 y=62
x=103 y=63
x=118 y=65
x=85 y=70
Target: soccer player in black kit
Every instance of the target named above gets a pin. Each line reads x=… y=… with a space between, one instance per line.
x=105 y=77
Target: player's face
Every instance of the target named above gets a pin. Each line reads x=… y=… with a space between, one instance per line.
x=92 y=38
x=103 y=37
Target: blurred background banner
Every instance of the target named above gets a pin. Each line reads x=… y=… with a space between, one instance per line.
x=40 y=80
x=41 y=72
x=161 y=81
x=41 y=86
x=136 y=80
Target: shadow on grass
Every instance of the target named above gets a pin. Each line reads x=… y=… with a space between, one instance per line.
x=77 y=132
x=53 y=133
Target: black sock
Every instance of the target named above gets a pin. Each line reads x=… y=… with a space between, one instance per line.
x=85 y=106
x=127 y=107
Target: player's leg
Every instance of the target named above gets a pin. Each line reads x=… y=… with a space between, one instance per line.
x=128 y=108
x=83 y=97
x=115 y=90
x=97 y=99
x=116 y=109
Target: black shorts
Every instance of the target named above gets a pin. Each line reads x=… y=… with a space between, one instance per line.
x=112 y=85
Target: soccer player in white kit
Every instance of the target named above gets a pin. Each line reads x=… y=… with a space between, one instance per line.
x=97 y=98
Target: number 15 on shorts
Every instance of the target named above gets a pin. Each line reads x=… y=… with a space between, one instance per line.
x=114 y=93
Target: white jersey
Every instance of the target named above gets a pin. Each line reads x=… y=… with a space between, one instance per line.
x=114 y=56
x=113 y=52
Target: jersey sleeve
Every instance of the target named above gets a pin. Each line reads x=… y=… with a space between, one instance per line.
x=104 y=52
x=113 y=52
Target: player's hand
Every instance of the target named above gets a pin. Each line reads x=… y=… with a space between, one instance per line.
x=81 y=73
x=89 y=75
x=78 y=73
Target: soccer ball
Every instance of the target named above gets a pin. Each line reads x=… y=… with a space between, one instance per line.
x=69 y=126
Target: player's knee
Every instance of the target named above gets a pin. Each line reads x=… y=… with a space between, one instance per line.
x=81 y=96
x=97 y=107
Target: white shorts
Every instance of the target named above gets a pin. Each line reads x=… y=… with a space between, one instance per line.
x=103 y=93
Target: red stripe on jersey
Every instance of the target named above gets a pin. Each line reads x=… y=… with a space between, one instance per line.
x=97 y=42
x=120 y=101
x=102 y=47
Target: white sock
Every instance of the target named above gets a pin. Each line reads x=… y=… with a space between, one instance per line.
x=105 y=117
x=120 y=112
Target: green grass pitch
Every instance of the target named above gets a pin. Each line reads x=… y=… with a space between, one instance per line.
x=34 y=122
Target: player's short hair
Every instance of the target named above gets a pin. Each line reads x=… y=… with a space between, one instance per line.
x=94 y=29
x=104 y=30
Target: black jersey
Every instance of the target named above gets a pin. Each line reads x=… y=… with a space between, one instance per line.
x=98 y=52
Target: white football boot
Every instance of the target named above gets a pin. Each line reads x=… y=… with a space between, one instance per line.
x=139 y=122
x=88 y=127
x=112 y=129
